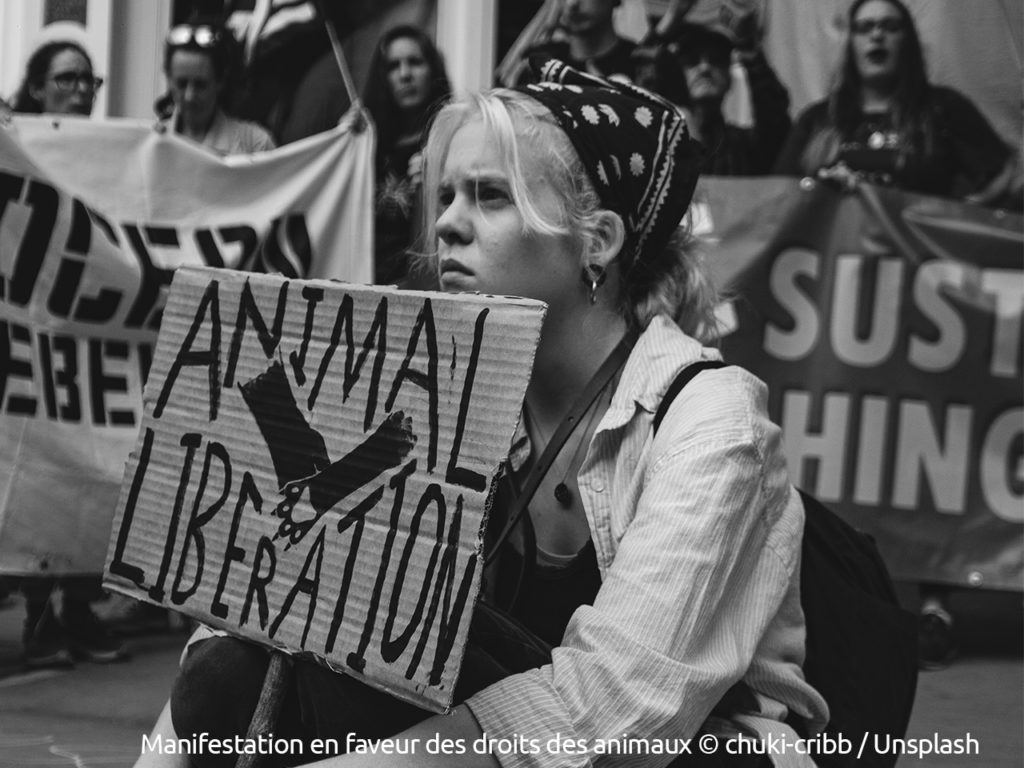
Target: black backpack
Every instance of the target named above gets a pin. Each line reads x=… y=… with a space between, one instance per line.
x=861 y=645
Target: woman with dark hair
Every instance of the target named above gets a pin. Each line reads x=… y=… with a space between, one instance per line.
x=58 y=80
x=886 y=123
x=406 y=82
x=197 y=60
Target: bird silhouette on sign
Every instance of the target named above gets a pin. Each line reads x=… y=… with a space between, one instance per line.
x=300 y=456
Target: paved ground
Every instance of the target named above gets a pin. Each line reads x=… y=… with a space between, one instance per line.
x=94 y=716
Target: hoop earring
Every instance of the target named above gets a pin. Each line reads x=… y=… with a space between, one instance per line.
x=593 y=277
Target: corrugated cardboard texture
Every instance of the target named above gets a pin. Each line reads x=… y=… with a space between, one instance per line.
x=314 y=465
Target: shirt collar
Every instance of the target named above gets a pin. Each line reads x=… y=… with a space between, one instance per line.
x=662 y=350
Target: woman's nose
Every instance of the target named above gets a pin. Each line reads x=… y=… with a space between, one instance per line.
x=453 y=226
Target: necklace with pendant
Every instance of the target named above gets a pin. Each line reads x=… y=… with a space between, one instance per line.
x=563 y=495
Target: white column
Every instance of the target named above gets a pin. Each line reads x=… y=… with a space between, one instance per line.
x=466 y=32
x=136 y=75
x=20 y=22
x=97 y=36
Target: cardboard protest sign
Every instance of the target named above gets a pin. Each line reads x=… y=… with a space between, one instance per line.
x=315 y=464
x=94 y=218
x=888 y=327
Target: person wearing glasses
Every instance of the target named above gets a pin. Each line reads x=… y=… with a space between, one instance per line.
x=704 y=55
x=197 y=59
x=59 y=80
x=884 y=122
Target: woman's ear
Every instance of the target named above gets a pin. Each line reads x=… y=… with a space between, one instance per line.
x=608 y=238
x=36 y=92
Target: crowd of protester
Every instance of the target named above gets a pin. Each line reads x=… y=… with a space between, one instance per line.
x=883 y=122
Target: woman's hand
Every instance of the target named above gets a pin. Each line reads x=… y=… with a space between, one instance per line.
x=842 y=175
x=1008 y=184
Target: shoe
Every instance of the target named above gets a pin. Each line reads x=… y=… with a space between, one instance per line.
x=89 y=639
x=44 y=643
x=936 y=647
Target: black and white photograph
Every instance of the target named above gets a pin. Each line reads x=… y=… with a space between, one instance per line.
x=511 y=383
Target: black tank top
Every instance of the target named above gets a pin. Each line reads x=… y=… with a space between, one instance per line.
x=542 y=597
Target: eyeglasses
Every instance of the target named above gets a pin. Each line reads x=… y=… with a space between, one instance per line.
x=202 y=36
x=890 y=26
x=68 y=81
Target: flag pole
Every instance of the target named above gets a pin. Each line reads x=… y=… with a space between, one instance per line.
x=339 y=56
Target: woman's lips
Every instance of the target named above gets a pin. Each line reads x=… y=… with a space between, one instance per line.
x=453 y=266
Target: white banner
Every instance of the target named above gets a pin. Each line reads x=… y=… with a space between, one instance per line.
x=94 y=218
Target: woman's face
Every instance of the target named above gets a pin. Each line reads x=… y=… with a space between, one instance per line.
x=69 y=87
x=877 y=39
x=482 y=242
x=408 y=74
x=194 y=87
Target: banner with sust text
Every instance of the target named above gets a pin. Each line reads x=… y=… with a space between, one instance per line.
x=315 y=464
x=94 y=218
x=888 y=328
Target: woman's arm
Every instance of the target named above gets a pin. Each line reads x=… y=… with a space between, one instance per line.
x=982 y=159
x=809 y=123
x=770 y=102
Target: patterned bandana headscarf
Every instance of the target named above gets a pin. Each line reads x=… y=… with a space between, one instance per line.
x=635 y=148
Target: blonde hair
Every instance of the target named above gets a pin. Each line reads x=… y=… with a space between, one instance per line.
x=675 y=283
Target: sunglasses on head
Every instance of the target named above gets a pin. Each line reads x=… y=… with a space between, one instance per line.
x=202 y=36
x=68 y=81
x=890 y=26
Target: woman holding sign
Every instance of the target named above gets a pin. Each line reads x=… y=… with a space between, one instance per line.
x=649 y=594
x=884 y=122
x=59 y=80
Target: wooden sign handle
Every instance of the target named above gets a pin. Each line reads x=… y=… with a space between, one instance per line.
x=275 y=683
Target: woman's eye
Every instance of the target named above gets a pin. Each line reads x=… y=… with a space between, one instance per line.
x=445 y=197
x=492 y=195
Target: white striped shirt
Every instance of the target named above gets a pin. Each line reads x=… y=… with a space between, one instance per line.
x=697 y=532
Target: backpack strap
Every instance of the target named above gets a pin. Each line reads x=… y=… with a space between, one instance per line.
x=681 y=380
